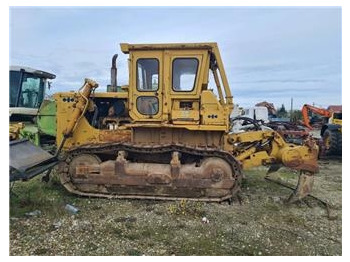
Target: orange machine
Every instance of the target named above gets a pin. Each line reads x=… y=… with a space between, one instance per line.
x=331 y=132
x=320 y=111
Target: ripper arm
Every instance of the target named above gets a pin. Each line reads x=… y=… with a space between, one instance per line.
x=268 y=147
x=258 y=148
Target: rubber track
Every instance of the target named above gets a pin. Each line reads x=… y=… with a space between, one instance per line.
x=114 y=148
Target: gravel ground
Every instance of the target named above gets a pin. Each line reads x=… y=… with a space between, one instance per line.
x=261 y=225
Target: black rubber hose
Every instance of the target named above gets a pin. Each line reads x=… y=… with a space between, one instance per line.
x=249 y=120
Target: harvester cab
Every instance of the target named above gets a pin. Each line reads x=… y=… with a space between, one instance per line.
x=27 y=92
x=166 y=135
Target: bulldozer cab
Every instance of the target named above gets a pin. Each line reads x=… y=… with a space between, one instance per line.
x=169 y=84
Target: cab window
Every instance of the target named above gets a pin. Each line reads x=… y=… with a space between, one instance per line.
x=147 y=74
x=15 y=77
x=337 y=116
x=30 y=92
x=184 y=74
x=147 y=105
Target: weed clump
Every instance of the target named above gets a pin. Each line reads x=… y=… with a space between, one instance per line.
x=186 y=208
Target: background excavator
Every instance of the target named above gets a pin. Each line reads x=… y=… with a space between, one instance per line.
x=165 y=135
x=331 y=130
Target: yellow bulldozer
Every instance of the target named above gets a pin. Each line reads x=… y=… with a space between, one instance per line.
x=165 y=135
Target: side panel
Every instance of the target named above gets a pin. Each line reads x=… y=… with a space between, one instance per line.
x=47 y=118
x=212 y=112
x=163 y=136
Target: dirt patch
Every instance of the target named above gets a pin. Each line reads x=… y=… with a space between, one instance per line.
x=261 y=225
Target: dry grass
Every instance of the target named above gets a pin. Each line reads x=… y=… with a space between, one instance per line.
x=262 y=225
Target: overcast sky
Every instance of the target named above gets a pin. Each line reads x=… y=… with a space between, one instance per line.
x=269 y=54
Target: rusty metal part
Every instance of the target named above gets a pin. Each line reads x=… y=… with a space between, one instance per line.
x=297 y=159
x=211 y=175
x=291 y=132
x=294 y=160
x=323 y=202
x=268 y=147
x=297 y=134
x=28 y=160
x=84 y=163
x=304 y=187
x=286 y=125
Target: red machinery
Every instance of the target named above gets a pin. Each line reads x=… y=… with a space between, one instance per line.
x=320 y=111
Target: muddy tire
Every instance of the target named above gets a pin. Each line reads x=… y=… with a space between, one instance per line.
x=333 y=142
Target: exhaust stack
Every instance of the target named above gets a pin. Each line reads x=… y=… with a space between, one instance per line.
x=113 y=86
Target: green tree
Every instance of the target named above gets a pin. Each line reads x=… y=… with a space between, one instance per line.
x=281 y=112
x=296 y=115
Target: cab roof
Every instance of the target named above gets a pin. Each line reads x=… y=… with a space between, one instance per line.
x=126 y=48
x=37 y=72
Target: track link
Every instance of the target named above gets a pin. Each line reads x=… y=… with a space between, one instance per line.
x=69 y=183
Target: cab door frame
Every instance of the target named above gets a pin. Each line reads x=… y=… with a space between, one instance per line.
x=136 y=94
x=172 y=95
